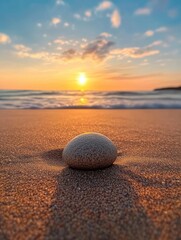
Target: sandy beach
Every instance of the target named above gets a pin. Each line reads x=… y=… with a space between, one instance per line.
x=139 y=197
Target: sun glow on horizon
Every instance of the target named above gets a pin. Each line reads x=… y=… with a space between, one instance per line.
x=82 y=79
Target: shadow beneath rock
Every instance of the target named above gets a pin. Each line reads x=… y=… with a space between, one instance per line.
x=100 y=204
x=54 y=157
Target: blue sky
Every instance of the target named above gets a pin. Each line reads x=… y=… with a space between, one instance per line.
x=118 y=44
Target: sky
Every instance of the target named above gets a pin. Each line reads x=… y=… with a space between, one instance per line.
x=117 y=45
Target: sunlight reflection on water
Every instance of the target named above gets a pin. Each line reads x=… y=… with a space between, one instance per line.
x=89 y=99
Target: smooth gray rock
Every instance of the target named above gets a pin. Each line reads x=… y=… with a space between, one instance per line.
x=90 y=151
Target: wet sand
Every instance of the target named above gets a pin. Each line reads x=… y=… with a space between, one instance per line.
x=139 y=197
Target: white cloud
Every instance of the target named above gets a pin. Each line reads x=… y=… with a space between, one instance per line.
x=66 y=24
x=116 y=19
x=104 y=5
x=88 y=13
x=60 y=2
x=4 y=38
x=161 y=29
x=105 y=34
x=84 y=39
x=149 y=33
x=143 y=11
x=39 y=25
x=56 y=21
x=77 y=16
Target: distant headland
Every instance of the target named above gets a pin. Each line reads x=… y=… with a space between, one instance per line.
x=168 y=88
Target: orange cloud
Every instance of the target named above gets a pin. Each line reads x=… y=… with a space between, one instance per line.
x=116 y=19
x=135 y=52
x=23 y=48
x=4 y=38
x=56 y=21
x=104 y=5
x=149 y=33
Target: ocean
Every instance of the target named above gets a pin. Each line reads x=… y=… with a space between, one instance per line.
x=26 y=99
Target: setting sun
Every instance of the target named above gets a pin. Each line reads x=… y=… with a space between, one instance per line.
x=82 y=79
